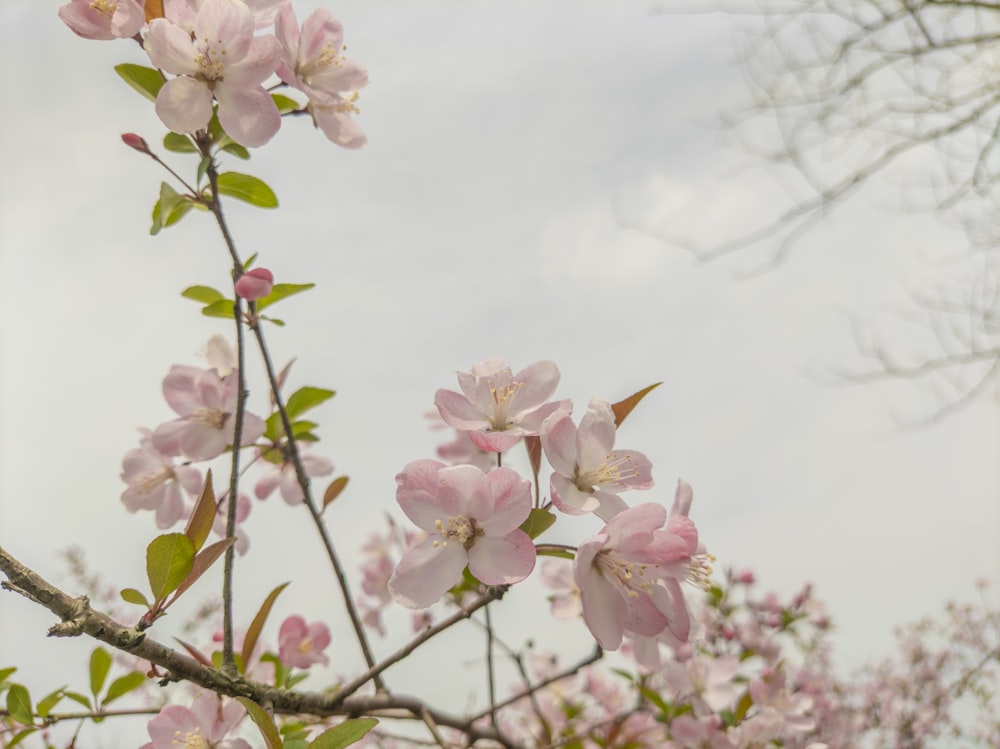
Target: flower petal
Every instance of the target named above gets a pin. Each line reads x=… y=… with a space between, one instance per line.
x=502 y=561
x=426 y=572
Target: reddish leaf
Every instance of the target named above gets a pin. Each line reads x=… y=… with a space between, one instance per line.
x=205 y=559
x=624 y=407
x=282 y=376
x=334 y=489
x=250 y=641
x=534 y=445
x=196 y=654
x=200 y=523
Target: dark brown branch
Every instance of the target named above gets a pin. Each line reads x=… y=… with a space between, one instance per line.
x=77 y=618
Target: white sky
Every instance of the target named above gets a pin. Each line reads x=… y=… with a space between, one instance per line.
x=477 y=223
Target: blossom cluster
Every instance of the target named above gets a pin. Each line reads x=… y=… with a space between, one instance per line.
x=629 y=573
x=217 y=63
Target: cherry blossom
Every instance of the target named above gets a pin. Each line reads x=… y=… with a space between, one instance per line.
x=589 y=473
x=312 y=61
x=224 y=61
x=629 y=573
x=203 y=725
x=300 y=645
x=472 y=519
x=283 y=476
x=254 y=284
x=156 y=483
x=708 y=682
x=104 y=19
x=243 y=506
x=206 y=405
x=498 y=408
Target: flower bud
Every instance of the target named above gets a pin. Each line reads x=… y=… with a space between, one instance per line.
x=254 y=284
x=135 y=141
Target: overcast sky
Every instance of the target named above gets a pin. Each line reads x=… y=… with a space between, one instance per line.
x=478 y=223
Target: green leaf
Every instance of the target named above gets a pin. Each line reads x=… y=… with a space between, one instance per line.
x=49 y=701
x=743 y=706
x=199 y=525
x=250 y=261
x=123 y=685
x=80 y=699
x=239 y=152
x=19 y=737
x=285 y=104
x=347 y=733
x=147 y=81
x=264 y=722
x=334 y=489
x=203 y=166
x=538 y=522
x=178 y=143
x=169 y=559
x=221 y=308
x=273 y=321
x=169 y=209
x=100 y=664
x=281 y=290
x=624 y=407
x=303 y=427
x=250 y=640
x=272 y=427
x=305 y=398
x=19 y=704
x=131 y=595
x=5 y=672
x=247 y=188
x=203 y=294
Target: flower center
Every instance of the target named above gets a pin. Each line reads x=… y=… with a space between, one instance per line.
x=212 y=59
x=210 y=417
x=613 y=471
x=458 y=528
x=503 y=393
x=306 y=646
x=629 y=576
x=699 y=571
x=328 y=55
x=104 y=7
x=191 y=740
x=148 y=483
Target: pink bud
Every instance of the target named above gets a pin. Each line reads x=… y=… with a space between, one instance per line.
x=254 y=284
x=135 y=141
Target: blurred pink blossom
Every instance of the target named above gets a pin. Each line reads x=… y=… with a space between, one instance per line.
x=300 y=645
x=104 y=19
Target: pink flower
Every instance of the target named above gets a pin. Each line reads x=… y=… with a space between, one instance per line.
x=224 y=61
x=589 y=473
x=629 y=573
x=156 y=483
x=301 y=645
x=708 y=681
x=254 y=284
x=312 y=61
x=206 y=405
x=472 y=519
x=204 y=725
x=243 y=506
x=283 y=477
x=496 y=407
x=104 y=19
